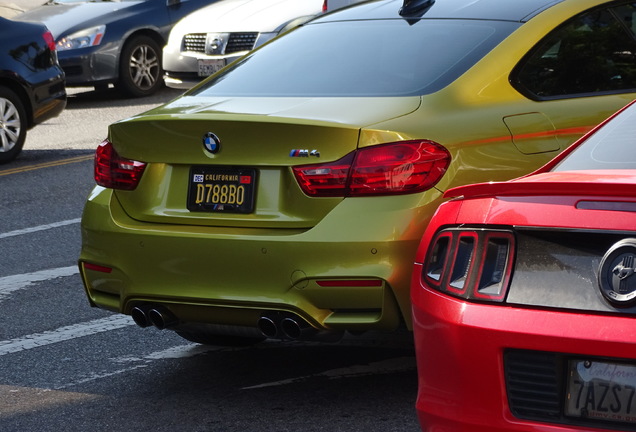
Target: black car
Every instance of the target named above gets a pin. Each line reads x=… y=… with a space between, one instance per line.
x=31 y=83
x=118 y=42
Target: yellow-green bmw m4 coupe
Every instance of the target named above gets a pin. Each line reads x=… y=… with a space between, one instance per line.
x=285 y=196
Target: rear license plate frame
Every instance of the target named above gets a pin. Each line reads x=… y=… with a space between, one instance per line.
x=215 y=189
x=601 y=390
x=207 y=67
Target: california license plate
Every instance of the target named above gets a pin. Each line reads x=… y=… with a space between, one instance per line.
x=209 y=66
x=602 y=391
x=225 y=190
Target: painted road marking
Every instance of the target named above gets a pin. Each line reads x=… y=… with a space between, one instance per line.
x=62 y=334
x=177 y=352
x=39 y=228
x=9 y=284
x=47 y=164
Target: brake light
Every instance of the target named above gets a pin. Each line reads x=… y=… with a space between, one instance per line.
x=324 y=6
x=48 y=39
x=113 y=171
x=389 y=169
x=471 y=264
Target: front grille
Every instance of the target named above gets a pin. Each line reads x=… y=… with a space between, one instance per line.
x=194 y=42
x=532 y=381
x=236 y=42
x=240 y=42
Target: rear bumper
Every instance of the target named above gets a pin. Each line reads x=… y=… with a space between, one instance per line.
x=48 y=97
x=231 y=276
x=461 y=350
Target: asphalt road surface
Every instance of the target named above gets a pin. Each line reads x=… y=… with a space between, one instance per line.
x=67 y=367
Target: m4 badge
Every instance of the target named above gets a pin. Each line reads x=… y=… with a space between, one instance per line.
x=304 y=153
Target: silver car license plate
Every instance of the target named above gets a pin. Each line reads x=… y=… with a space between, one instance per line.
x=209 y=66
x=601 y=390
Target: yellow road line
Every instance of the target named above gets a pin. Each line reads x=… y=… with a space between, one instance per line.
x=47 y=165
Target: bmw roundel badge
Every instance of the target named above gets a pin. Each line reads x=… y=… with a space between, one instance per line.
x=211 y=142
x=617 y=273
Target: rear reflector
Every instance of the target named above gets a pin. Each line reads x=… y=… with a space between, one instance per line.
x=95 y=267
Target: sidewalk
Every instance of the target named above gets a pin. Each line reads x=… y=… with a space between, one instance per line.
x=9 y=10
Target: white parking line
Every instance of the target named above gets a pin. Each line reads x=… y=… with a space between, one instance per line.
x=39 y=228
x=177 y=352
x=9 y=284
x=97 y=376
x=62 y=334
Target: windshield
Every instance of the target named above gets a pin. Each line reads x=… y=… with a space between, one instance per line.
x=611 y=147
x=361 y=58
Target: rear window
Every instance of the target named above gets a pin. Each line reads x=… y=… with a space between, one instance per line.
x=611 y=147
x=362 y=58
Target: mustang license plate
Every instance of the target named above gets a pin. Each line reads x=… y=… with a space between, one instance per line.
x=224 y=190
x=602 y=391
x=209 y=66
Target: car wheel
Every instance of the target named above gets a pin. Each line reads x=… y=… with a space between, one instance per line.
x=13 y=125
x=219 y=340
x=140 y=72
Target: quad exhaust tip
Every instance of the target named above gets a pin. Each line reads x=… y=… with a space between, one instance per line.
x=291 y=327
x=158 y=316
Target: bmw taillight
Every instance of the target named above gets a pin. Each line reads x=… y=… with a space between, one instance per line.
x=396 y=168
x=115 y=172
x=474 y=264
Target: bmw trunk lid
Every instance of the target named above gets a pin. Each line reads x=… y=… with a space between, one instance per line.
x=227 y=161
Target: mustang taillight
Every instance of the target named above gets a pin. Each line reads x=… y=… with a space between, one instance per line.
x=115 y=172
x=396 y=168
x=474 y=264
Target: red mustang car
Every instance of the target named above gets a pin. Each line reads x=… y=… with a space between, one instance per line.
x=524 y=296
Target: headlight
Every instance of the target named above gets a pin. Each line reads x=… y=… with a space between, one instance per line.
x=82 y=39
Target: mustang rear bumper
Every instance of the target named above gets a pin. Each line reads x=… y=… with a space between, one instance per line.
x=468 y=352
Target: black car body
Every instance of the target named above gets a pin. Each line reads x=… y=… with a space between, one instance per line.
x=31 y=83
x=112 y=42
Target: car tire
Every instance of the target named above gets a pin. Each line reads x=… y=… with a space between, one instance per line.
x=13 y=125
x=140 y=72
x=205 y=338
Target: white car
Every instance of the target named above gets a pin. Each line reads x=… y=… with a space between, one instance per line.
x=207 y=40
x=330 y=5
